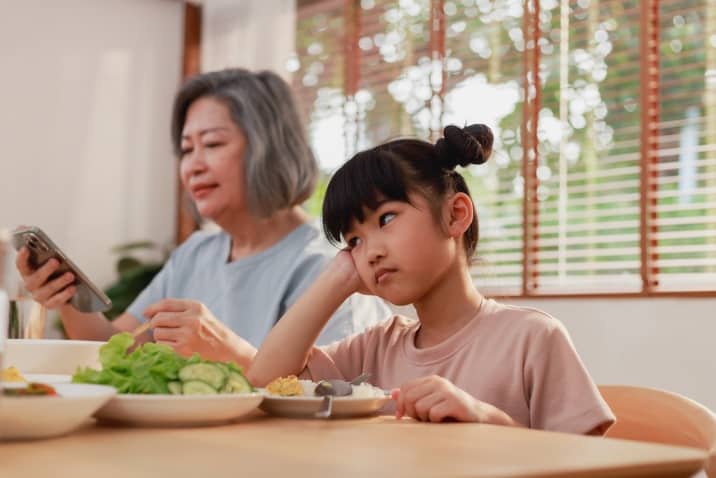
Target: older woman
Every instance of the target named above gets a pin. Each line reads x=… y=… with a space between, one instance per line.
x=244 y=160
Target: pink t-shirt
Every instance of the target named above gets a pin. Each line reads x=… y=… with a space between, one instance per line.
x=518 y=359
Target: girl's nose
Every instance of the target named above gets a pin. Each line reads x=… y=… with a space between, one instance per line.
x=376 y=252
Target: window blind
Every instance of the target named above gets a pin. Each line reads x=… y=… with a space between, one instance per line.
x=393 y=85
x=603 y=178
x=483 y=63
x=684 y=252
x=589 y=160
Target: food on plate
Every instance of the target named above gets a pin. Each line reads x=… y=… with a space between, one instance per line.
x=30 y=390
x=12 y=374
x=366 y=390
x=336 y=388
x=157 y=369
x=285 y=386
x=291 y=386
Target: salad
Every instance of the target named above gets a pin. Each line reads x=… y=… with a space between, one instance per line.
x=157 y=369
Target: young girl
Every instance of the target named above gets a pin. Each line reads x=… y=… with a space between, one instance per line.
x=411 y=228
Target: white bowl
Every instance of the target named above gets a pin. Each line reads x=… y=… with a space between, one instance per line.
x=178 y=410
x=39 y=417
x=50 y=356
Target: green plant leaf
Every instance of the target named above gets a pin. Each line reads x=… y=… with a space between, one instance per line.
x=133 y=246
x=123 y=292
x=126 y=264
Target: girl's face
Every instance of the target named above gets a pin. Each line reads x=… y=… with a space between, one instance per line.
x=400 y=251
x=211 y=165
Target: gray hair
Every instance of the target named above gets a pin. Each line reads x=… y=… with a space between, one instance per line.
x=280 y=169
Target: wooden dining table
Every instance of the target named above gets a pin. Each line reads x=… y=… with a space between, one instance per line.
x=261 y=445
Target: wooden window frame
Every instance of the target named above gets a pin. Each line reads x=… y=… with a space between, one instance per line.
x=191 y=65
x=649 y=134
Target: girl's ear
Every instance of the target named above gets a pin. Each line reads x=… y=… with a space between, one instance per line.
x=459 y=214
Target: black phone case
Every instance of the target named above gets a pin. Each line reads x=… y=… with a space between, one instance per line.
x=88 y=298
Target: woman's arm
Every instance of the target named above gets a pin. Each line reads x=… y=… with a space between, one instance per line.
x=95 y=326
x=56 y=294
x=285 y=351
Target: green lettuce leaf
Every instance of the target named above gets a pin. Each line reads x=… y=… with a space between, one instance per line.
x=146 y=370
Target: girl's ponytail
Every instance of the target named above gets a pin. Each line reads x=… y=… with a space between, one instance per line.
x=464 y=146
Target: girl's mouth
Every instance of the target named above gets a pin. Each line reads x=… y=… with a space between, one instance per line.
x=381 y=275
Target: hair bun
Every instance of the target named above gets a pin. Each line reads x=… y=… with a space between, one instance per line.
x=464 y=146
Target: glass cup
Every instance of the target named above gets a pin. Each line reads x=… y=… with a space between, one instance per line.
x=25 y=319
x=3 y=329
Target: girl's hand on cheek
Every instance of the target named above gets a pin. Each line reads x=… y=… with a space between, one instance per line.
x=436 y=399
x=344 y=268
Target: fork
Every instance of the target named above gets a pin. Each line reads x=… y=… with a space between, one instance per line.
x=360 y=378
x=327 y=403
x=326 y=407
x=141 y=329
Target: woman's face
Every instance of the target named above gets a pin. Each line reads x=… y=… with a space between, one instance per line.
x=211 y=164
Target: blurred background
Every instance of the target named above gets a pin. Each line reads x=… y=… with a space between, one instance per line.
x=598 y=205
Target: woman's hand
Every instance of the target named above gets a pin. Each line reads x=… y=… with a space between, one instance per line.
x=435 y=399
x=51 y=293
x=188 y=326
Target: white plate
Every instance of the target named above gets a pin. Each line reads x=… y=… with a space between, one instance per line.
x=40 y=417
x=306 y=407
x=51 y=378
x=178 y=410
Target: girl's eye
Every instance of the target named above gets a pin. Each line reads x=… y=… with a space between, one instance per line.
x=212 y=145
x=386 y=218
x=185 y=151
x=352 y=242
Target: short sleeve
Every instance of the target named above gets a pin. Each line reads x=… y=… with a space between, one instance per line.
x=561 y=394
x=343 y=359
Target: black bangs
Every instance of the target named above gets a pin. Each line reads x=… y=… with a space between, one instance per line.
x=364 y=182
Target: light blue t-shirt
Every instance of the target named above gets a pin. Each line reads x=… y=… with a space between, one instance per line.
x=251 y=294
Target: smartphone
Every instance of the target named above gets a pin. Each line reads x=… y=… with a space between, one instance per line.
x=88 y=298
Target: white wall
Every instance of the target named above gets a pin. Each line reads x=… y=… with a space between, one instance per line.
x=85 y=104
x=664 y=343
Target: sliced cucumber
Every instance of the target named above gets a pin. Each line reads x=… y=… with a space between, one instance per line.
x=174 y=388
x=210 y=374
x=238 y=383
x=224 y=368
x=197 y=387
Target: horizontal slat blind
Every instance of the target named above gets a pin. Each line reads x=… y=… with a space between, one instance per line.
x=394 y=83
x=318 y=78
x=589 y=148
x=483 y=60
x=589 y=134
x=685 y=251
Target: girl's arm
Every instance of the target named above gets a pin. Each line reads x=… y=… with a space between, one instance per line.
x=286 y=349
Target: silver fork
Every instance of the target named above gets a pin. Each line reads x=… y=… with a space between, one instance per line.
x=326 y=407
x=327 y=403
x=360 y=378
